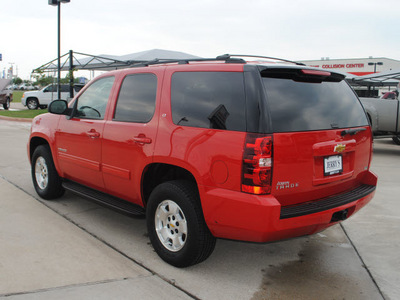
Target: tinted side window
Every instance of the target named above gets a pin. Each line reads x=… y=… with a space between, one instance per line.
x=209 y=100
x=137 y=98
x=93 y=102
x=51 y=89
x=77 y=88
x=64 y=88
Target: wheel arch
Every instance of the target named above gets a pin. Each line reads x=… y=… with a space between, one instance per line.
x=369 y=118
x=34 y=143
x=157 y=173
x=372 y=115
x=34 y=98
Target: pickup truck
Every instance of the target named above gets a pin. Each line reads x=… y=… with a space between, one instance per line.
x=43 y=97
x=6 y=96
x=384 y=115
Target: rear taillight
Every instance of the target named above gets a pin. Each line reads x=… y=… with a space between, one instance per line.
x=257 y=164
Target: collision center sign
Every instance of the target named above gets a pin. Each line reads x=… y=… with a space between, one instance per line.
x=340 y=66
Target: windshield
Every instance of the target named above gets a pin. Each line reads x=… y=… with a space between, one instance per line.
x=311 y=105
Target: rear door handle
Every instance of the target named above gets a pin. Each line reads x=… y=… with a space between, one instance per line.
x=142 y=140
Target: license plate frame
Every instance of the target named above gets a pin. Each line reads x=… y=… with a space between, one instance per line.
x=333 y=165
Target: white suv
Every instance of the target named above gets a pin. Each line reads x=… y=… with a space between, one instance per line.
x=43 y=97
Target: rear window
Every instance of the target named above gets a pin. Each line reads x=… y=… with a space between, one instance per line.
x=311 y=103
x=209 y=100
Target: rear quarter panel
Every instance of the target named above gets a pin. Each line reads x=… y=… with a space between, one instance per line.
x=213 y=156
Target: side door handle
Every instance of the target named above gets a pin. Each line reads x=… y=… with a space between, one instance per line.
x=142 y=139
x=93 y=133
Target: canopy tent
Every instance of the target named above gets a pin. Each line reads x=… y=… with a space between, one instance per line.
x=386 y=78
x=80 y=61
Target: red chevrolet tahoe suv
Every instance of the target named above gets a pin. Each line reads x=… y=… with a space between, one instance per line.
x=211 y=148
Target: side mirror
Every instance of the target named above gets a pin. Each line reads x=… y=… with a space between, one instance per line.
x=59 y=107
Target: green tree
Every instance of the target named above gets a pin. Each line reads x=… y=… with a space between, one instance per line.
x=68 y=76
x=17 y=80
x=41 y=78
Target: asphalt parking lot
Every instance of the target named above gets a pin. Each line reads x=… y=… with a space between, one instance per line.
x=74 y=249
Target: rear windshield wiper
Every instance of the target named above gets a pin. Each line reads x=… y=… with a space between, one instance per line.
x=352 y=131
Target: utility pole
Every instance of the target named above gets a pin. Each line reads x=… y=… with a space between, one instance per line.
x=58 y=4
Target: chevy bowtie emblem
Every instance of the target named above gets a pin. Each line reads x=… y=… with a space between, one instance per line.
x=339 y=148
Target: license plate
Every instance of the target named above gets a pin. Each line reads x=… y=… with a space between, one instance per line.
x=333 y=165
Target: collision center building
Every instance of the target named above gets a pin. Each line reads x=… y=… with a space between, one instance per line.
x=359 y=67
x=355 y=66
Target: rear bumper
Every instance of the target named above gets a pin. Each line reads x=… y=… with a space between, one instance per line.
x=326 y=203
x=239 y=216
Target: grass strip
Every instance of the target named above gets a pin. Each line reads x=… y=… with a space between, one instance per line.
x=26 y=114
x=17 y=95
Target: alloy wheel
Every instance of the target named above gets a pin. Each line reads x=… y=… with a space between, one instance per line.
x=41 y=173
x=171 y=225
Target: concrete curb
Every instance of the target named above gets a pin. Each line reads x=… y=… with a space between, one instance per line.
x=16 y=119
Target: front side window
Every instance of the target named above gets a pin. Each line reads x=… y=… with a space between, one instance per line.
x=50 y=89
x=137 y=98
x=209 y=100
x=93 y=102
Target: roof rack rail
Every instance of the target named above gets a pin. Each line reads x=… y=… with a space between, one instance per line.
x=229 y=56
x=185 y=61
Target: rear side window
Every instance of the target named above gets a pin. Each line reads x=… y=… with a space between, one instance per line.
x=303 y=104
x=77 y=88
x=137 y=98
x=64 y=88
x=209 y=100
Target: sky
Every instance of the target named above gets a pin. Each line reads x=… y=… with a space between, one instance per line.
x=290 y=29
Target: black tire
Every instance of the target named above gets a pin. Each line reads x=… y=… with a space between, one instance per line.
x=6 y=105
x=396 y=140
x=195 y=241
x=32 y=103
x=45 y=178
